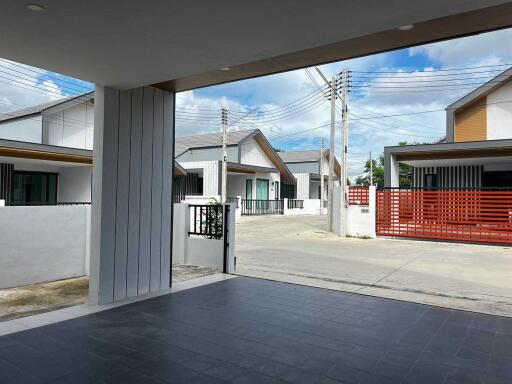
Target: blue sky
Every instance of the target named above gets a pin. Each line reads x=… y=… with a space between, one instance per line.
x=198 y=111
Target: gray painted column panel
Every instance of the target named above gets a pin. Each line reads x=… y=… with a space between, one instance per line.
x=123 y=186
x=132 y=269
x=156 y=191
x=103 y=213
x=167 y=173
x=145 y=191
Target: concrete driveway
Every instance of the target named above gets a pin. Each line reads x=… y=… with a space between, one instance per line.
x=297 y=249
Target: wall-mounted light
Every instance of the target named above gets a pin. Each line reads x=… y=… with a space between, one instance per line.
x=406 y=27
x=35 y=7
x=225 y=69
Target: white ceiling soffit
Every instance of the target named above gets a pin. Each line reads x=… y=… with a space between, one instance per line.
x=129 y=43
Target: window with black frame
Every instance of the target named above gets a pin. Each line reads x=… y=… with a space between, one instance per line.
x=32 y=188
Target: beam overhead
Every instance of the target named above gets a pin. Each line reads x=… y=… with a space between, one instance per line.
x=126 y=44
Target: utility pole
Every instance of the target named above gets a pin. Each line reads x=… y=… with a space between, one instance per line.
x=322 y=181
x=224 y=155
x=371 y=169
x=344 y=170
x=330 y=185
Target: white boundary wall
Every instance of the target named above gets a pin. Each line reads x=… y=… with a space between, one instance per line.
x=310 y=207
x=200 y=251
x=46 y=243
x=360 y=218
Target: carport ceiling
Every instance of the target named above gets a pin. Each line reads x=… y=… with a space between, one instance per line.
x=183 y=44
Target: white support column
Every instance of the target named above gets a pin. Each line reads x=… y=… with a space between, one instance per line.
x=132 y=190
x=394 y=172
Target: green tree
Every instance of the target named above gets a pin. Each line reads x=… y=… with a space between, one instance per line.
x=405 y=172
x=378 y=173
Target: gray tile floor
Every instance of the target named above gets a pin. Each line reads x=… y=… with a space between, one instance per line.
x=246 y=330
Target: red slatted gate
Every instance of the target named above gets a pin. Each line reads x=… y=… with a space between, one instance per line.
x=463 y=215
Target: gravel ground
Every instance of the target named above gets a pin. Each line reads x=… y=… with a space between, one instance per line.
x=45 y=297
x=38 y=298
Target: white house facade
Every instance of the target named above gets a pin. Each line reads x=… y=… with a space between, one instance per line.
x=306 y=167
x=477 y=149
x=46 y=152
x=255 y=171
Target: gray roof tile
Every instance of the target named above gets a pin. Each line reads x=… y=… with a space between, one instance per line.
x=184 y=143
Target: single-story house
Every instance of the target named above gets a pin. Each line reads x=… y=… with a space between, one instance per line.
x=255 y=171
x=306 y=167
x=46 y=152
x=477 y=149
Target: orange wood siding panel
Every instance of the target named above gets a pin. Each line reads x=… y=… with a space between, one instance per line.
x=471 y=122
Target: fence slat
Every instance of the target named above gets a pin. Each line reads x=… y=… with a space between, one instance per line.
x=358 y=196
x=262 y=207
x=456 y=214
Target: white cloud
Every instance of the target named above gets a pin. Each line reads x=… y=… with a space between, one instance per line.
x=484 y=49
x=20 y=90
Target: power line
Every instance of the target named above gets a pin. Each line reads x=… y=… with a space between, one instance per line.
x=274 y=110
x=290 y=111
x=31 y=69
x=423 y=74
x=430 y=81
x=441 y=70
x=425 y=86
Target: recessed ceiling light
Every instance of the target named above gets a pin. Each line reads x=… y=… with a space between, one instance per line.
x=406 y=27
x=225 y=69
x=35 y=7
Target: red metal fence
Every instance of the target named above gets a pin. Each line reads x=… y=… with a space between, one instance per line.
x=358 y=196
x=464 y=215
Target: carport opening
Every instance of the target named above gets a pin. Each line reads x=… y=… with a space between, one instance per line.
x=277 y=154
x=282 y=227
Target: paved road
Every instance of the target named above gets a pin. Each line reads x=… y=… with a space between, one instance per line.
x=297 y=249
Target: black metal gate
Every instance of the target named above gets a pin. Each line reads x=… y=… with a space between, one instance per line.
x=226 y=238
x=251 y=207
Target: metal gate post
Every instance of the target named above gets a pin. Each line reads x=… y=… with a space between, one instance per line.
x=225 y=220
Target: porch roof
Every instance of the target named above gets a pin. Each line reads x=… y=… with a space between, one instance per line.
x=251 y=169
x=36 y=151
x=464 y=150
x=21 y=149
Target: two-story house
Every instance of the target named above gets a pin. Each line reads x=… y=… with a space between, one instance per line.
x=46 y=152
x=477 y=149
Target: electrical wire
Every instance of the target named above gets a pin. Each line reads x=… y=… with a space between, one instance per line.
x=441 y=70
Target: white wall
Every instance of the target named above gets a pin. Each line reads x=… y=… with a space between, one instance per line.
x=72 y=127
x=57 y=248
x=309 y=207
x=196 y=250
x=302 y=185
x=236 y=184
x=252 y=154
x=360 y=218
x=74 y=184
x=211 y=175
x=499 y=114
